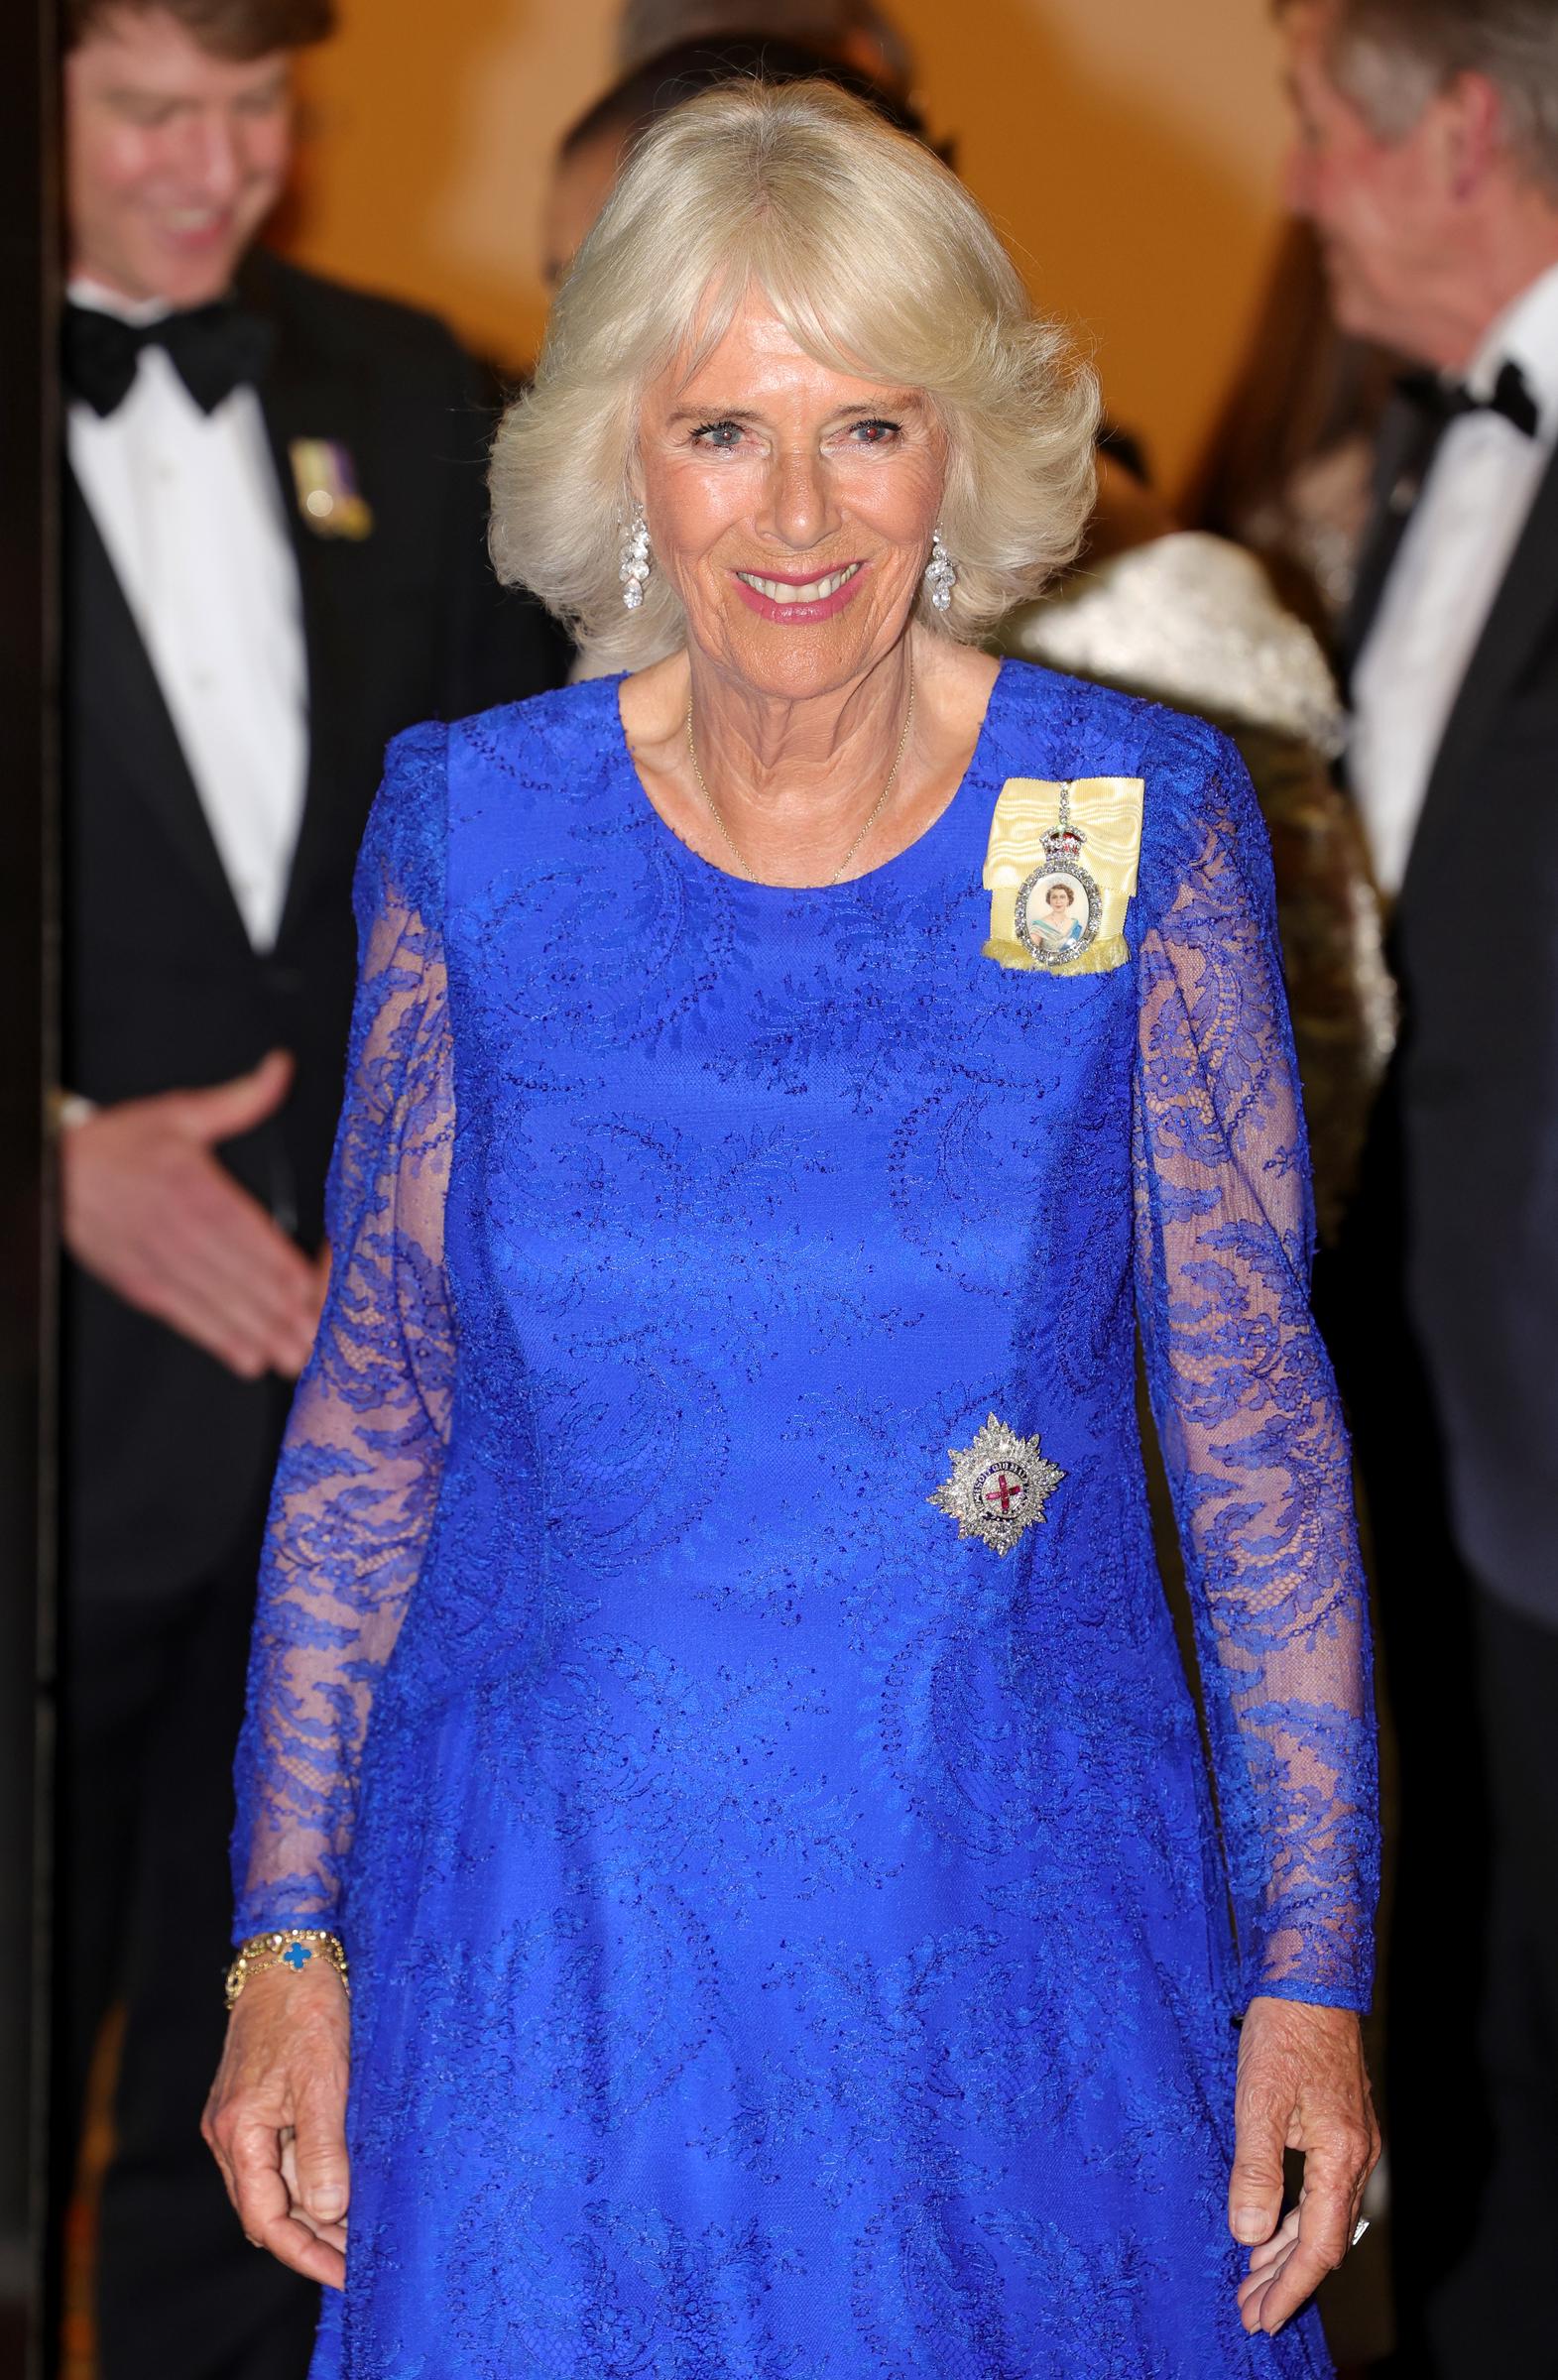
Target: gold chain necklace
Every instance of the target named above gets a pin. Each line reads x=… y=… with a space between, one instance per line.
x=837 y=877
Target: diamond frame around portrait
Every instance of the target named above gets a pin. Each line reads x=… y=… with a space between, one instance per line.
x=1050 y=866
x=962 y=1497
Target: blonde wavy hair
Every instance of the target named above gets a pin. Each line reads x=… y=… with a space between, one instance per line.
x=879 y=264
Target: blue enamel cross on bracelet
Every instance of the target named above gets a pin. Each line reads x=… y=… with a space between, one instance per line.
x=290 y=1946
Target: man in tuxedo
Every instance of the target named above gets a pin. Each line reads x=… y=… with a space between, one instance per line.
x=275 y=559
x=1428 y=159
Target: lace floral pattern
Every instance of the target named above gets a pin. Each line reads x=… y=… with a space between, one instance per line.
x=359 y=1482
x=1247 y=1414
x=790 y=1940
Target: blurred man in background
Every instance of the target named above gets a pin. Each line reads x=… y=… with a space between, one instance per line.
x=1428 y=159
x=275 y=551
x=592 y=152
x=854 y=33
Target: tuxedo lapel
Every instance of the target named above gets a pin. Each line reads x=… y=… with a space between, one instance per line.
x=305 y=397
x=1407 y=439
x=1523 y=611
x=114 y=687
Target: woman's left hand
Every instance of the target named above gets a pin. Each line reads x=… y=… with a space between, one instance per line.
x=1303 y=2085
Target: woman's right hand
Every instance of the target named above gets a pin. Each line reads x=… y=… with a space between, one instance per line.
x=276 y=2119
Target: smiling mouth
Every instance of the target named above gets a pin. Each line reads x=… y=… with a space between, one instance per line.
x=193 y=222
x=811 y=590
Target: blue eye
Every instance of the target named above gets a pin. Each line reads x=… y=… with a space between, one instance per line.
x=876 y=433
x=722 y=435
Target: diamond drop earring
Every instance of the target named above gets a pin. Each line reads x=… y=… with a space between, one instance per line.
x=940 y=577
x=635 y=559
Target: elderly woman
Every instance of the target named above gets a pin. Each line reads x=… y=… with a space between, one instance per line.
x=710 y=1674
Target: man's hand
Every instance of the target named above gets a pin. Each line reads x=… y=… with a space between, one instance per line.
x=150 y=1212
x=1303 y=2085
x=277 y=2115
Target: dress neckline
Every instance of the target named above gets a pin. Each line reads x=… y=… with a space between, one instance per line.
x=902 y=864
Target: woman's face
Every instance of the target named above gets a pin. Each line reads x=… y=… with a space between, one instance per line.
x=791 y=506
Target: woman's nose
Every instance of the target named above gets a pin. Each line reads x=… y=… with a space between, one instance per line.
x=800 y=503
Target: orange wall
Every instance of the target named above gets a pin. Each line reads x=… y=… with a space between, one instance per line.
x=1128 y=149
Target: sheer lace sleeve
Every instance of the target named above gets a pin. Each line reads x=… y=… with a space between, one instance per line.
x=358 y=1480
x=1241 y=1389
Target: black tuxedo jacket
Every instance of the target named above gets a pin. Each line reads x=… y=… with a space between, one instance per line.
x=1471 y=1112
x=164 y=1450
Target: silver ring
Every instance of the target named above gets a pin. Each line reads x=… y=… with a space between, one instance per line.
x=1359 y=2232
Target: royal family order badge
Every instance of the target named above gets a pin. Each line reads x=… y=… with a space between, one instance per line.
x=1051 y=907
x=1058 y=905
x=999 y=1485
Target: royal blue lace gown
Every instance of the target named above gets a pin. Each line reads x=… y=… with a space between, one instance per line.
x=790 y=1940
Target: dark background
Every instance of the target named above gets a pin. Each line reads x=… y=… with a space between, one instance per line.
x=28 y=679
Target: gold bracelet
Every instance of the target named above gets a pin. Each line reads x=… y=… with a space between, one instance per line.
x=293 y=1947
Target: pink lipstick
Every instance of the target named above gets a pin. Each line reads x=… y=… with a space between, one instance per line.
x=793 y=597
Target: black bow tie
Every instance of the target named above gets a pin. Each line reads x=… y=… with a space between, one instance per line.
x=214 y=349
x=1444 y=400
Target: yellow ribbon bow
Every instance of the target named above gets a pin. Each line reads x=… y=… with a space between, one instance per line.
x=1108 y=812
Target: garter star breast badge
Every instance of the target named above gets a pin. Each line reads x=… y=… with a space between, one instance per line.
x=999 y=1485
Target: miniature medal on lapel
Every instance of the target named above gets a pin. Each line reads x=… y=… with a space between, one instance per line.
x=329 y=497
x=1060 y=869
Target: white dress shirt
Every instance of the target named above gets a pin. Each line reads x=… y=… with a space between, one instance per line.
x=1445 y=576
x=188 y=508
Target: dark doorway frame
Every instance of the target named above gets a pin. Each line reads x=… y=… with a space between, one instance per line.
x=28 y=682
